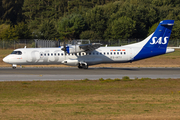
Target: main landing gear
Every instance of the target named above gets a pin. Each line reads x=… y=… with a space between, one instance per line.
x=83 y=66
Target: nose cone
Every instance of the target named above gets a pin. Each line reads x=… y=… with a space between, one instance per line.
x=6 y=60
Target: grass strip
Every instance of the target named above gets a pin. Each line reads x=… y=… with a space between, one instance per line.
x=87 y=99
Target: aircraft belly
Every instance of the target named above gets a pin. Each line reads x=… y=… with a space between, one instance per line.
x=91 y=60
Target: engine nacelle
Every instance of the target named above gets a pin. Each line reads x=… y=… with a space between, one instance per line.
x=71 y=62
x=73 y=49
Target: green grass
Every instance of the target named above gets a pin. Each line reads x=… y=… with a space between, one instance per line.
x=87 y=99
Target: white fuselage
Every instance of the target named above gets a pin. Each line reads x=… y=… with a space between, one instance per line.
x=40 y=56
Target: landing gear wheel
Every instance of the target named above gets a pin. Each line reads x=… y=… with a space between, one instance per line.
x=85 y=66
x=80 y=67
x=14 y=66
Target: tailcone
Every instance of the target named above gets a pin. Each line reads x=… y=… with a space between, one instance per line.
x=169 y=50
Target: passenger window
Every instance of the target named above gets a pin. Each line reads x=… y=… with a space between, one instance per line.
x=41 y=54
x=58 y=54
x=62 y=54
x=97 y=53
x=51 y=54
x=107 y=53
x=104 y=53
x=114 y=53
x=111 y=53
x=44 y=54
x=54 y=54
x=89 y=53
x=121 y=53
x=48 y=54
x=100 y=53
x=118 y=53
x=124 y=52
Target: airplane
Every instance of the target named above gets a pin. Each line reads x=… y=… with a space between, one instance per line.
x=84 y=55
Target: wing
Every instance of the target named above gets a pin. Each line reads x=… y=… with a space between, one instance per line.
x=81 y=48
x=90 y=47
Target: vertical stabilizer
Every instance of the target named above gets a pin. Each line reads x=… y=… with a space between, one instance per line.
x=161 y=36
x=156 y=43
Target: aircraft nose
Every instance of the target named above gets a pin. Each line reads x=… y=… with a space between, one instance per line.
x=6 y=60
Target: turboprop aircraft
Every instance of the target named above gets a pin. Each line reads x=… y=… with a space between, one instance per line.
x=84 y=55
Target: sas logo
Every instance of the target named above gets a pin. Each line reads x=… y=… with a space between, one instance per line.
x=159 y=41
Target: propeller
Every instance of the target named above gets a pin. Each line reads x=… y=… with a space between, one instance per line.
x=64 y=49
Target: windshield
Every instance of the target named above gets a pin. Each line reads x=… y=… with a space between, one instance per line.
x=17 y=52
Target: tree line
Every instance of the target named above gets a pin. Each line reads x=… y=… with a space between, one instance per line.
x=85 y=19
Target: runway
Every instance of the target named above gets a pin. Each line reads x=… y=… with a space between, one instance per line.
x=30 y=74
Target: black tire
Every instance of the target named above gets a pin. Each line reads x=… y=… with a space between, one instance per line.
x=13 y=67
x=85 y=66
x=80 y=67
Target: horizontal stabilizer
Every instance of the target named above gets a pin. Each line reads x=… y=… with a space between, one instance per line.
x=167 y=22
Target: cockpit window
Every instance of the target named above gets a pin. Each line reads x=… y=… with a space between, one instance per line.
x=17 y=52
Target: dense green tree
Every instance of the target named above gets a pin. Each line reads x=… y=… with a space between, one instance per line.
x=71 y=26
x=1 y=9
x=11 y=10
x=121 y=28
x=176 y=30
x=89 y=34
x=22 y=31
x=3 y=28
x=96 y=20
x=9 y=34
x=48 y=30
x=144 y=15
x=19 y=31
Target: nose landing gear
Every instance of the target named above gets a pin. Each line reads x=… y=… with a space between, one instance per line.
x=14 y=66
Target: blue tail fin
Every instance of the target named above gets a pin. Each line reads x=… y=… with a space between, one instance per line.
x=161 y=36
x=156 y=44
